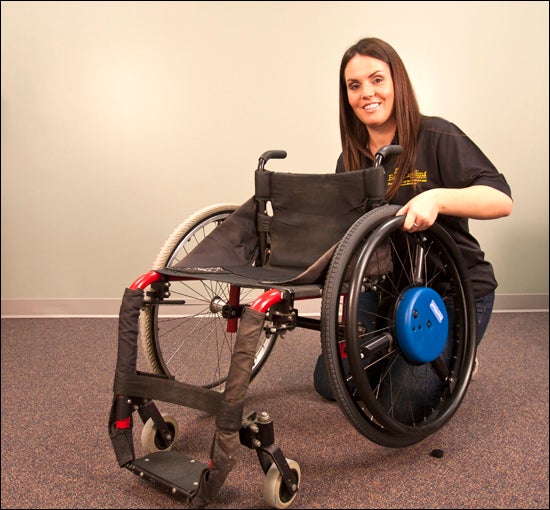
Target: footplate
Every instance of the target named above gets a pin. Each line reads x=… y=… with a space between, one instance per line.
x=171 y=470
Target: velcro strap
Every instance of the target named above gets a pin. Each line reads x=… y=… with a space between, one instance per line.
x=159 y=388
x=262 y=183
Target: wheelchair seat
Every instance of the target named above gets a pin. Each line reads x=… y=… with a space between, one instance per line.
x=291 y=239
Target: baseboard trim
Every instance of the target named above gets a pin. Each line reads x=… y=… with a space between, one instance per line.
x=109 y=307
x=521 y=303
x=60 y=307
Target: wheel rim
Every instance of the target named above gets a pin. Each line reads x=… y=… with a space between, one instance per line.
x=411 y=397
x=363 y=360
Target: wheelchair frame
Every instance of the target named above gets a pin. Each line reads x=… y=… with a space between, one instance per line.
x=420 y=337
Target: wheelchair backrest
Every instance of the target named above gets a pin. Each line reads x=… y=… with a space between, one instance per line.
x=310 y=213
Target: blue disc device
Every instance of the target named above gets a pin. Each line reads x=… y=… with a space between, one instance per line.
x=421 y=324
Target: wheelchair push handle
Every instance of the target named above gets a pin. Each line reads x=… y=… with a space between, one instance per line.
x=266 y=156
x=375 y=182
x=384 y=152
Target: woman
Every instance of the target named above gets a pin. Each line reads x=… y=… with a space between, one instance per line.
x=440 y=175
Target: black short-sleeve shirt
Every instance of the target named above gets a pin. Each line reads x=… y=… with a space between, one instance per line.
x=448 y=158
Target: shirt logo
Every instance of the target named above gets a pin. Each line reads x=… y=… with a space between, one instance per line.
x=413 y=177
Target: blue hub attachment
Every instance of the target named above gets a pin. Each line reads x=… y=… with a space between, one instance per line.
x=421 y=324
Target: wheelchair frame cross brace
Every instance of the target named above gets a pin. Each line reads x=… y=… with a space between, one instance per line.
x=135 y=391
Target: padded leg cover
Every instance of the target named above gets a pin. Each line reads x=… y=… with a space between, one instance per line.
x=228 y=422
x=126 y=362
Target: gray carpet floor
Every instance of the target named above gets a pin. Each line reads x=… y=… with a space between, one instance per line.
x=57 y=377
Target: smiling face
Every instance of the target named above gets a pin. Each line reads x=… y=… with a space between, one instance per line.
x=370 y=91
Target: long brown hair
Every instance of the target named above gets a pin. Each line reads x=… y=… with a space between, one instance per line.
x=353 y=133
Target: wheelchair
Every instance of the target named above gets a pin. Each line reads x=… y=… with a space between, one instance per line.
x=396 y=321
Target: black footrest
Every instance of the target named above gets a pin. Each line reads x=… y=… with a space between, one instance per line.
x=172 y=470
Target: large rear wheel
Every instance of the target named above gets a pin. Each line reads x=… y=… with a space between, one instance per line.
x=397 y=328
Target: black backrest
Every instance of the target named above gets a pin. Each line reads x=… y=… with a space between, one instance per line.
x=311 y=212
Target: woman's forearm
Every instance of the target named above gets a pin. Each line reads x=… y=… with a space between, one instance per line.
x=476 y=202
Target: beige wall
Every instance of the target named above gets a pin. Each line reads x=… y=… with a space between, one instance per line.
x=120 y=119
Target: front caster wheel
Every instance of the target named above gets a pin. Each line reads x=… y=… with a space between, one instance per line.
x=276 y=495
x=152 y=441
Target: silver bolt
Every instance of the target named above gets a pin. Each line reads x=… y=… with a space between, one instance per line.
x=264 y=417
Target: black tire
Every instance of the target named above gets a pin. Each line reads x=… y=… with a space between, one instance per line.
x=191 y=341
x=389 y=395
